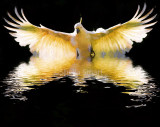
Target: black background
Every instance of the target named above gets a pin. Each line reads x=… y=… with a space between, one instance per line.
x=57 y=105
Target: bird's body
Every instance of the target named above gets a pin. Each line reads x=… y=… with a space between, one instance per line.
x=83 y=40
x=52 y=43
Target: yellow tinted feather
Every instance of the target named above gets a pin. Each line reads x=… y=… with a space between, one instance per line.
x=42 y=40
x=122 y=36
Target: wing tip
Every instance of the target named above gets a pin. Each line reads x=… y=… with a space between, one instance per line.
x=16 y=23
x=135 y=15
x=17 y=14
x=10 y=28
x=21 y=18
x=138 y=17
x=142 y=12
x=10 y=23
x=149 y=20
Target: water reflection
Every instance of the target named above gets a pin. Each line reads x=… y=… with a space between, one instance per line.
x=116 y=69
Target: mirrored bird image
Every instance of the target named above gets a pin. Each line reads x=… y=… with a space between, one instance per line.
x=47 y=42
x=119 y=71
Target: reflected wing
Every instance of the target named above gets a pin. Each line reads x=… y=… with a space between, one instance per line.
x=39 y=39
x=120 y=71
x=121 y=36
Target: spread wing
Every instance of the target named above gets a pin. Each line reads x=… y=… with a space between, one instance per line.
x=122 y=36
x=40 y=39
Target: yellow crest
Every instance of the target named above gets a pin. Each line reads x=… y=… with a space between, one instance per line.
x=81 y=20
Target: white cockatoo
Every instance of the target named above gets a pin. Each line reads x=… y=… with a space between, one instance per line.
x=47 y=42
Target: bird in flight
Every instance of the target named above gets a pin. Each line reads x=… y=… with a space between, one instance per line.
x=47 y=42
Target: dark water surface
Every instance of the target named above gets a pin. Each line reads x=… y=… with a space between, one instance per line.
x=100 y=72
x=70 y=92
x=67 y=92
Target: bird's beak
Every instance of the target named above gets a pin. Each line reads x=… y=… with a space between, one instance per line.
x=81 y=20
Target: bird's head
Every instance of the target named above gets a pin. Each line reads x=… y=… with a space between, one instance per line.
x=79 y=27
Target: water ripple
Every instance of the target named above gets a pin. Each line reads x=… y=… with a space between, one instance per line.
x=115 y=70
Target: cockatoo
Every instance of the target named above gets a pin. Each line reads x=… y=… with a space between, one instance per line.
x=47 y=42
